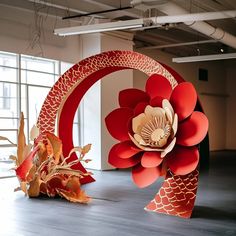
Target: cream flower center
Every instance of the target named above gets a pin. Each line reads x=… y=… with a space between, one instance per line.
x=155 y=129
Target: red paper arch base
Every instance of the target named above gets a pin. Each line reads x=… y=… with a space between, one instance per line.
x=66 y=95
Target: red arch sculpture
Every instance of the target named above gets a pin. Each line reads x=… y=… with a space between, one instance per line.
x=65 y=96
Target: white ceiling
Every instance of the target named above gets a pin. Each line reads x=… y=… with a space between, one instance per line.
x=158 y=36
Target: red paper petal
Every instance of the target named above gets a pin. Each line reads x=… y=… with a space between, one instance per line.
x=25 y=166
x=131 y=97
x=183 y=100
x=118 y=162
x=151 y=159
x=140 y=108
x=126 y=149
x=117 y=123
x=182 y=160
x=143 y=177
x=193 y=130
x=156 y=101
x=158 y=85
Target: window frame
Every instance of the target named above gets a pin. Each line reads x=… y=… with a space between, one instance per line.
x=19 y=90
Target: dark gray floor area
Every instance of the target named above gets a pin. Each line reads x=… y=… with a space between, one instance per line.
x=117 y=207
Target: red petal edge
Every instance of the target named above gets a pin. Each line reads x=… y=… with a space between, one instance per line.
x=126 y=149
x=157 y=85
x=192 y=130
x=144 y=177
x=117 y=123
x=183 y=160
x=131 y=97
x=156 y=101
x=151 y=159
x=140 y=108
x=118 y=162
x=183 y=100
x=25 y=166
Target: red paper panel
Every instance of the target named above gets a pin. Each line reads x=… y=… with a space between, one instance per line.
x=183 y=100
x=176 y=196
x=158 y=85
x=193 y=130
x=119 y=162
x=117 y=123
x=143 y=177
x=131 y=97
x=151 y=159
x=126 y=149
x=183 y=160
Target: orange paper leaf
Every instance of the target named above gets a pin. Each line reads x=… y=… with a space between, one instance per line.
x=21 y=140
x=56 y=146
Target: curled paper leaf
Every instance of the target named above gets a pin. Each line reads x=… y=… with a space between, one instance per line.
x=56 y=145
x=34 y=133
x=8 y=140
x=86 y=148
x=21 y=140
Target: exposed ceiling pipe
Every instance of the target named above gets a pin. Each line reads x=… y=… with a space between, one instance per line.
x=171 y=8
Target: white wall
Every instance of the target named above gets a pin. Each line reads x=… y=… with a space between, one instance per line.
x=231 y=105
x=91 y=106
x=212 y=93
x=18 y=32
x=111 y=86
x=102 y=98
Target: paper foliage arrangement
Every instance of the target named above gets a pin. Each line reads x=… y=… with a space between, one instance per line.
x=42 y=169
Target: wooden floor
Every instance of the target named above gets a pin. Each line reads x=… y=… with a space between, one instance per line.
x=117 y=208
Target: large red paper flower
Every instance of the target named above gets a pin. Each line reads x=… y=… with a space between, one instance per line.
x=158 y=130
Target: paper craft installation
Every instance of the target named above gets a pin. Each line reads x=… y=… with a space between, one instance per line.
x=42 y=169
x=158 y=129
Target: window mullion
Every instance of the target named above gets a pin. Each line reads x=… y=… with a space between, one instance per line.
x=19 y=85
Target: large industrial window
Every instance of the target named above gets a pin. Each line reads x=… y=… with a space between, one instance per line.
x=24 y=84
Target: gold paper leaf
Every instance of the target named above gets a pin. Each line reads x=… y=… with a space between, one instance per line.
x=6 y=139
x=34 y=187
x=73 y=183
x=27 y=150
x=56 y=146
x=17 y=189
x=75 y=149
x=31 y=174
x=34 y=133
x=86 y=148
x=74 y=192
x=21 y=141
x=14 y=158
x=80 y=196
x=23 y=186
x=42 y=153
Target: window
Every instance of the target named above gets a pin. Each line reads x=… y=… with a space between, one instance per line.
x=5 y=96
x=24 y=84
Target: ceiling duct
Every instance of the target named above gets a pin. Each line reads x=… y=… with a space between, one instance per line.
x=171 y=9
